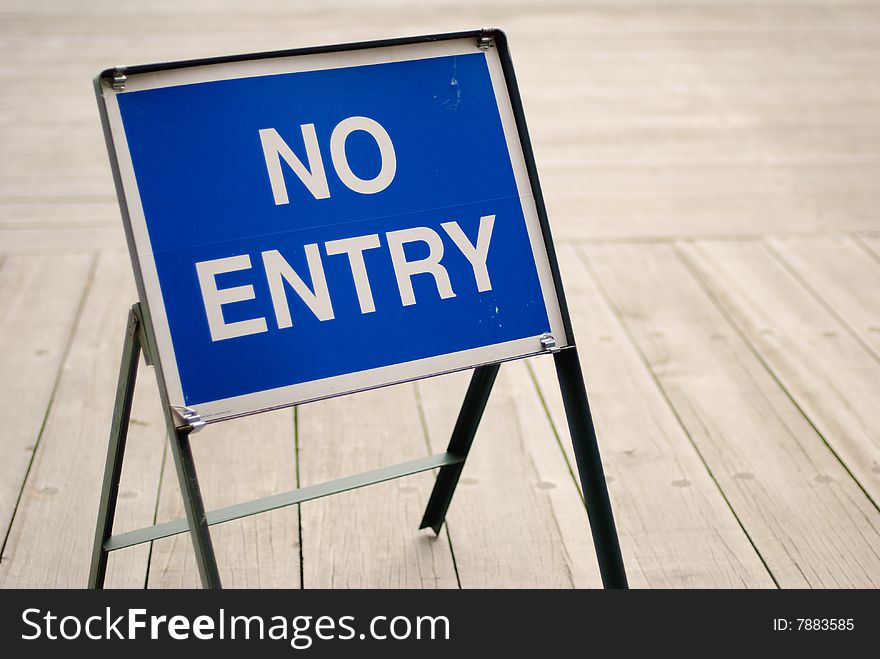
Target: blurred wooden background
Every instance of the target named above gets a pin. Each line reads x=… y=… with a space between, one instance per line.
x=711 y=171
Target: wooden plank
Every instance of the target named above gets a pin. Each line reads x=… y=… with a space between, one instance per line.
x=60 y=213
x=830 y=266
x=40 y=298
x=236 y=461
x=811 y=523
x=368 y=538
x=872 y=245
x=676 y=527
x=679 y=136
x=832 y=377
x=55 y=240
x=517 y=520
x=50 y=541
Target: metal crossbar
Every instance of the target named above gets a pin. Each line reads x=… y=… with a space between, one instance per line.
x=284 y=499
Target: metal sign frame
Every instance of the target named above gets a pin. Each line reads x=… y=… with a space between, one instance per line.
x=181 y=422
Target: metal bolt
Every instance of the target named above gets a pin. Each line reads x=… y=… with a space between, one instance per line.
x=119 y=78
x=548 y=342
x=192 y=418
x=483 y=43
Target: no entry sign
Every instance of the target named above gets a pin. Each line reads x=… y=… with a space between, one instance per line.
x=313 y=224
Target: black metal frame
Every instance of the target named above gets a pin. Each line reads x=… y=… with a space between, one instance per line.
x=139 y=335
x=183 y=462
x=451 y=463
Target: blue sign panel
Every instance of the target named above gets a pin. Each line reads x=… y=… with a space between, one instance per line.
x=319 y=223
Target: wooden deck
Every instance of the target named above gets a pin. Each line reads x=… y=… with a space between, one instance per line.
x=712 y=172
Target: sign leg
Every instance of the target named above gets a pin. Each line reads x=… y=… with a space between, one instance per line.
x=589 y=464
x=459 y=444
x=116 y=449
x=195 y=508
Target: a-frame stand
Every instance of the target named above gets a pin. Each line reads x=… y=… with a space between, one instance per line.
x=451 y=463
